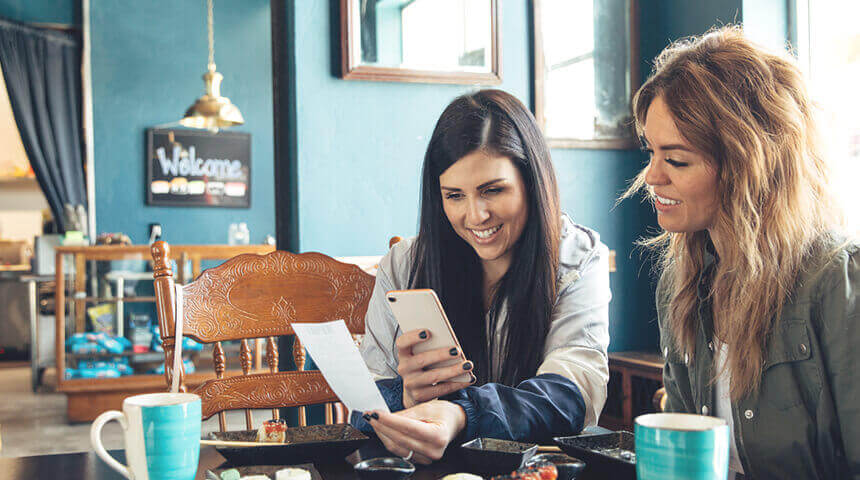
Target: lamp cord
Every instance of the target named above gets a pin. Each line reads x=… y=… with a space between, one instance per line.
x=211 y=22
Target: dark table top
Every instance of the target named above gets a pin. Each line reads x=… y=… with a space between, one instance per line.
x=87 y=466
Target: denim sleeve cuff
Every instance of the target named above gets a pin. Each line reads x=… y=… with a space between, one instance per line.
x=392 y=392
x=471 y=430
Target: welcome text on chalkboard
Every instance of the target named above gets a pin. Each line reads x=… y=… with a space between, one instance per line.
x=198 y=168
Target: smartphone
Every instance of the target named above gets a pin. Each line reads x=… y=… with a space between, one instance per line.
x=421 y=308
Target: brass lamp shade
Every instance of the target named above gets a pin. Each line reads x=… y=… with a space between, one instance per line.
x=212 y=111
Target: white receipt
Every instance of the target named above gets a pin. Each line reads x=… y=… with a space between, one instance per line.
x=335 y=354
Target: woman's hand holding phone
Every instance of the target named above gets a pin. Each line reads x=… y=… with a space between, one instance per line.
x=420 y=383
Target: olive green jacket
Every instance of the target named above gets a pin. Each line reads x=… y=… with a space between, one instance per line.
x=804 y=421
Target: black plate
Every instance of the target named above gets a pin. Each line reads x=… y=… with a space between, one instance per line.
x=568 y=467
x=603 y=453
x=268 y=470
x=384 y=468
x=492 y=456
x=314 y=442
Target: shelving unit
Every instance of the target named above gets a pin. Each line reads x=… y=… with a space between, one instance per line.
x=633 y=379
x=81 y=283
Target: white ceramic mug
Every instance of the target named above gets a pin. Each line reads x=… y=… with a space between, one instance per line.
x=161 y=433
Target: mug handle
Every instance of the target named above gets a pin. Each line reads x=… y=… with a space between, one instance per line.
x=96 y=440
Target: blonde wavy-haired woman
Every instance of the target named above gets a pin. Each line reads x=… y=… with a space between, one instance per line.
x=758 y=295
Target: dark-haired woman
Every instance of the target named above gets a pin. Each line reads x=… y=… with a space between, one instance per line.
x=526 y=291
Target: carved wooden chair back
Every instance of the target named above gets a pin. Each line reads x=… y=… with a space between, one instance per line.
x=259 y=296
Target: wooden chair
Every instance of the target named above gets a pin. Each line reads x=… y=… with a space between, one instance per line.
x=259 y=296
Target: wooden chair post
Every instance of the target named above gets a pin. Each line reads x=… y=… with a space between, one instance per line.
x=163 y=283
x=299 y=359
x=272 y=361
x=245 y=360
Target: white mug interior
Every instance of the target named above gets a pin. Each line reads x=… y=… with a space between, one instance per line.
x=680 y=421
x=159 y=399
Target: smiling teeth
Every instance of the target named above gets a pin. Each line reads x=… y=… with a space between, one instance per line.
x=666 y=201
x=486 y=233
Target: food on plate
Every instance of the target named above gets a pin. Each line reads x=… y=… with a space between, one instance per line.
x=536 y=471
x=273 y=431
x=462 y=476
x=231 y=474
x=293 y=474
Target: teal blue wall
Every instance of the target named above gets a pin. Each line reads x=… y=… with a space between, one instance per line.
x=360 y=144
x=147 y=62
x=67 y=12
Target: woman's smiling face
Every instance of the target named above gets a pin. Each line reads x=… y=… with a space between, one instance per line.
x=682 y=181
x=484 y=198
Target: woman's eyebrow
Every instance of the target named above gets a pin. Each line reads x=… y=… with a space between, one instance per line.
x=676 y=146
x=485 y=184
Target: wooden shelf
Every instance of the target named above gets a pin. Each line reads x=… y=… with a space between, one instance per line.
x=19 y=182
x=134 y=357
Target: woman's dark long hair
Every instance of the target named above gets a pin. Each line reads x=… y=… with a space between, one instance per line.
x=494 y=122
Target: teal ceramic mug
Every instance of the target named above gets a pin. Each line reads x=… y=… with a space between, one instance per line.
x=681 y=446
x=161 y=433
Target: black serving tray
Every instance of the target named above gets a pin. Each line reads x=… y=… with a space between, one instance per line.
x=492 y=456
x=603 y=453
x=303 y=444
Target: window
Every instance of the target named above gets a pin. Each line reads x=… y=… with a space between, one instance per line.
x=828 y=41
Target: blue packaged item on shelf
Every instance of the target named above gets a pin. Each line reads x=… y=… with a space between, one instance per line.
x=87 y=347
x=187 y=343
x=156 y=339
x=121 y=366
x=72 y=373
x=191 y=345
x=108 y=343
x=187 y=365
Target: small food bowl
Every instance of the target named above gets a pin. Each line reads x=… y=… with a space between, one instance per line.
x=492 y=456
x=384 y=468
x=568 y=467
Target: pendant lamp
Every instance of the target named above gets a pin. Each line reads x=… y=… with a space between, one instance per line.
x=212 y=111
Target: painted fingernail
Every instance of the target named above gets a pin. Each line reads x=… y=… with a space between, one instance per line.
x=423 y=334
x=374 y=416
x=467 y=366
x=453 y=352
x=366 y=417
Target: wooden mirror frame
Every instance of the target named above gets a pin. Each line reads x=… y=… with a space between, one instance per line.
x=351 y=69
x=626 y=143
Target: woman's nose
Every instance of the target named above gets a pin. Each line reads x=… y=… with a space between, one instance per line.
x=478 y=212
x=654 y=173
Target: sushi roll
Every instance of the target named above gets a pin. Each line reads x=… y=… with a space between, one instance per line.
x=273 y=431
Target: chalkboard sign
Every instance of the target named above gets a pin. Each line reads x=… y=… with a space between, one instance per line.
x=198 y=168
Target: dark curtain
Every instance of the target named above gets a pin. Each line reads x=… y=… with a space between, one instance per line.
x=42 y=69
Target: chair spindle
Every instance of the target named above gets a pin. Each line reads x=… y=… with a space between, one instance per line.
x=272 y=361
x=245 y=359
x=220 y=361
x=299 y=359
